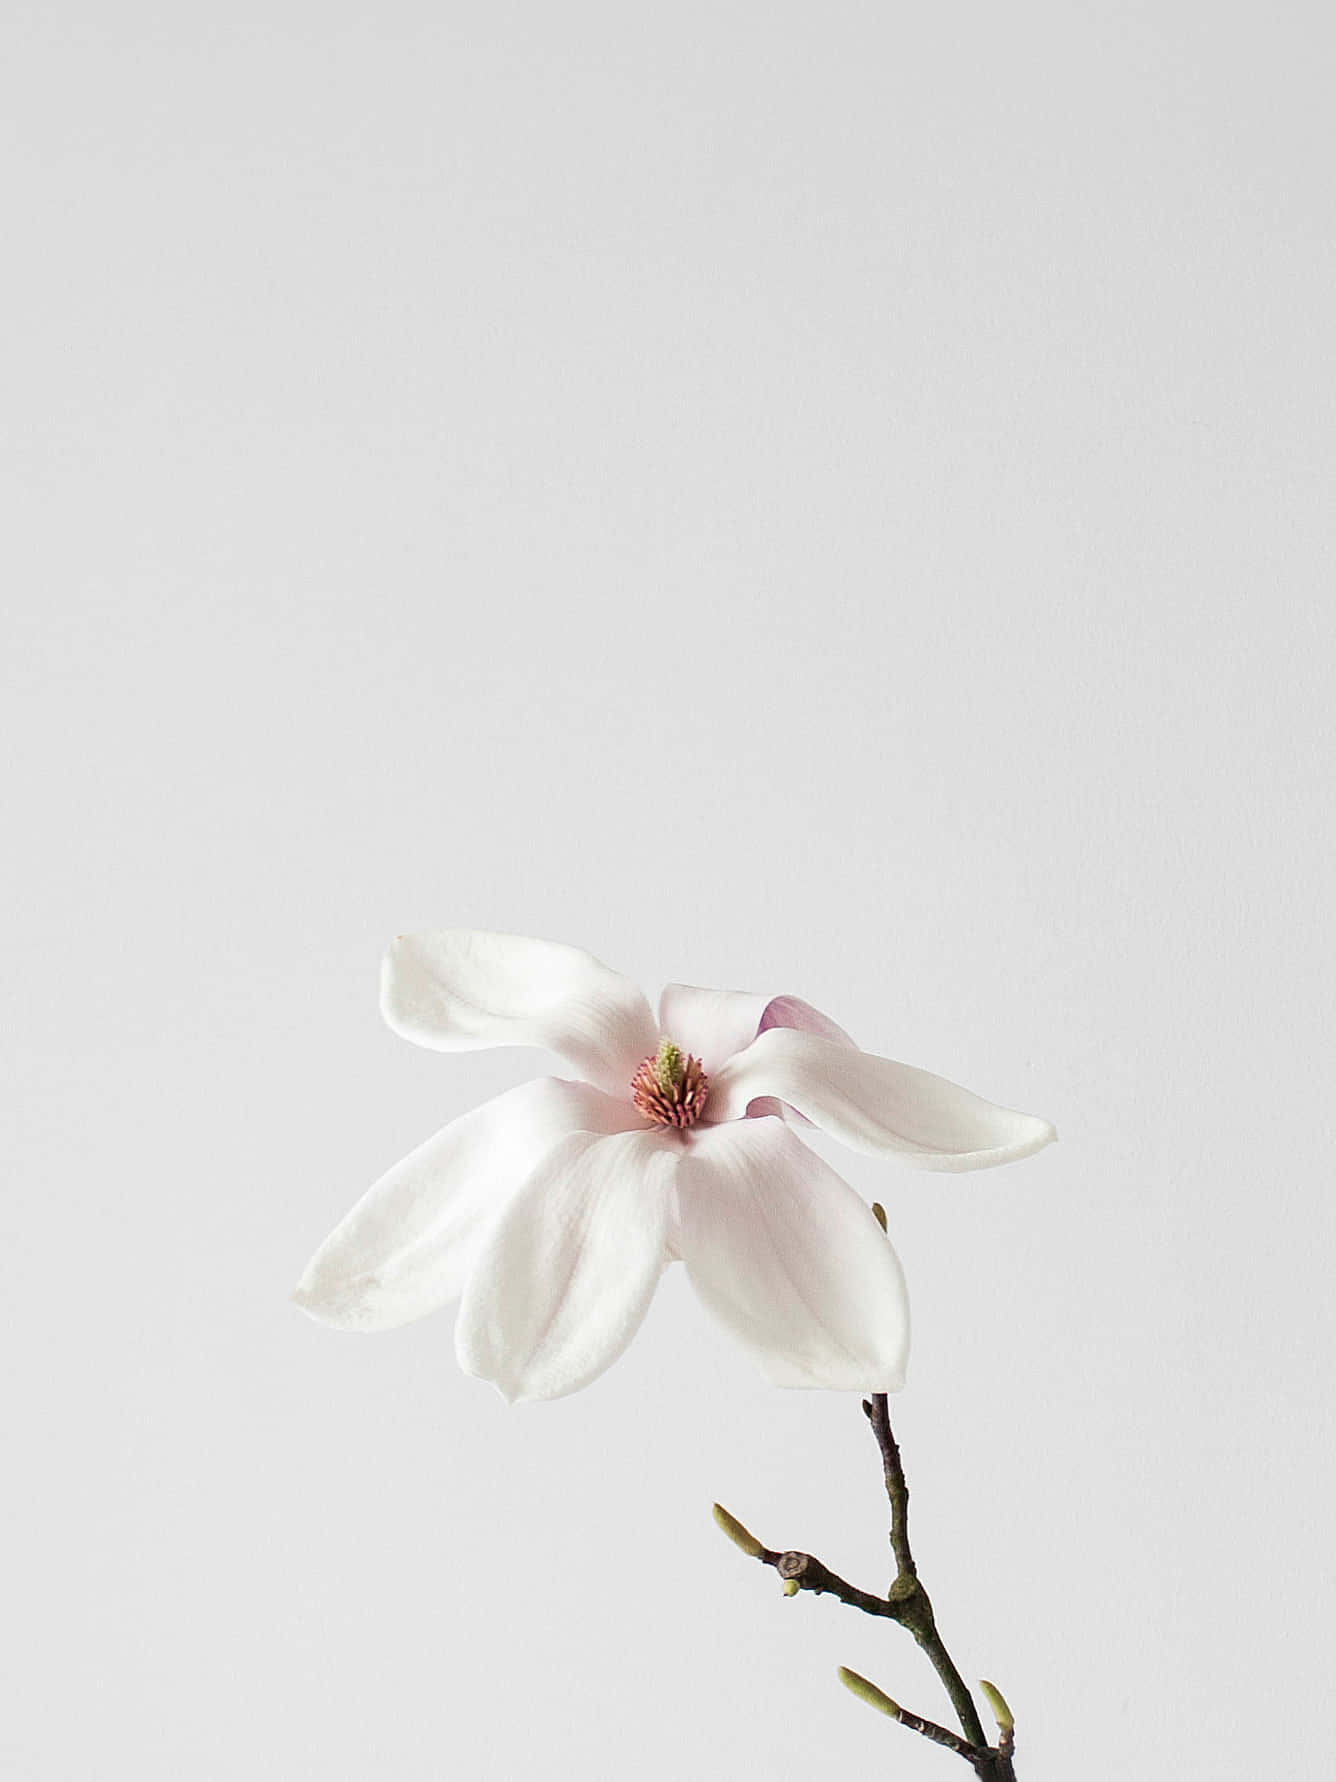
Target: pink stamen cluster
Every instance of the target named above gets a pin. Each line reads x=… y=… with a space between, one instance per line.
x=670 y=1097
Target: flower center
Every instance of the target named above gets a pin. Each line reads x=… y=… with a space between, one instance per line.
x=670 y=1088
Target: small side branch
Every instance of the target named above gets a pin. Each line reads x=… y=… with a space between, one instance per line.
x=942 y=1735
x=975 y=1755
x=806 y=1572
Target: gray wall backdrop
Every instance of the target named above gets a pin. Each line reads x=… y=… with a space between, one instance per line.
x=831 y=499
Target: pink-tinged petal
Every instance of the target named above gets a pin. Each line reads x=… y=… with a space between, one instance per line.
x=792 y=1011
x=875 y=1105
x=462 y=990
x=407 y=1246
x=791 y=1260
x=565 y=1277
x=713 y=1024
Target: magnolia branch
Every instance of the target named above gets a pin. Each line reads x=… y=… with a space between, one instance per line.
x=907 y=1603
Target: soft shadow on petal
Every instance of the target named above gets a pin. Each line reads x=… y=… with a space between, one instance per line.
x=565 y=1277
x=406 y=1248
x=463 y=990
x=714 y=1024
x=791 y=1260
x=875 y=1105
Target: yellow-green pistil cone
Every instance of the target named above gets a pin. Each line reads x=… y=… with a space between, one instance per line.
x=740 y=1536
x=670 y=1066
x=869 y=1693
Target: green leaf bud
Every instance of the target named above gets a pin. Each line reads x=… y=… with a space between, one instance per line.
x=869 y=1693
x=740 y=1536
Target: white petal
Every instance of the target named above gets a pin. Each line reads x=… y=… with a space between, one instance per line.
x=875 y=1105
x=566 y=1275
x=791 y=1260
x=713 y=1024
x=462 y=990
x=406 y=1248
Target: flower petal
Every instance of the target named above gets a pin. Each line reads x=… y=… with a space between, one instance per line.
x=565 y=1277
x=462 y=990
x=875 y=1105
x=406 y=1248
x=791 y=1260
x=713 y=1024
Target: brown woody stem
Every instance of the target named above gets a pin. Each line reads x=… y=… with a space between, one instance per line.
x=942 y=1735
x=906 y=1602
x=907 y=1586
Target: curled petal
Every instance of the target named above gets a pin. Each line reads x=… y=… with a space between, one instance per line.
x=462 y=990
x=407 y=1246
x=565 y=1277
x=791 y=1260
x=875 y=1105
x=713 y=1024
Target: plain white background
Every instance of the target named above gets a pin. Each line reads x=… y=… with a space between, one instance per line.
x=826 y=499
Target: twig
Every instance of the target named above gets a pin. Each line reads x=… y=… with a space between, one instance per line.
x=907 y=1586
x=940 y=1735
x=806 y=1572
x=906 y=1603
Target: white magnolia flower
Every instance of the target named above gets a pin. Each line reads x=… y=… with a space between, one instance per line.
x=554 y=1208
